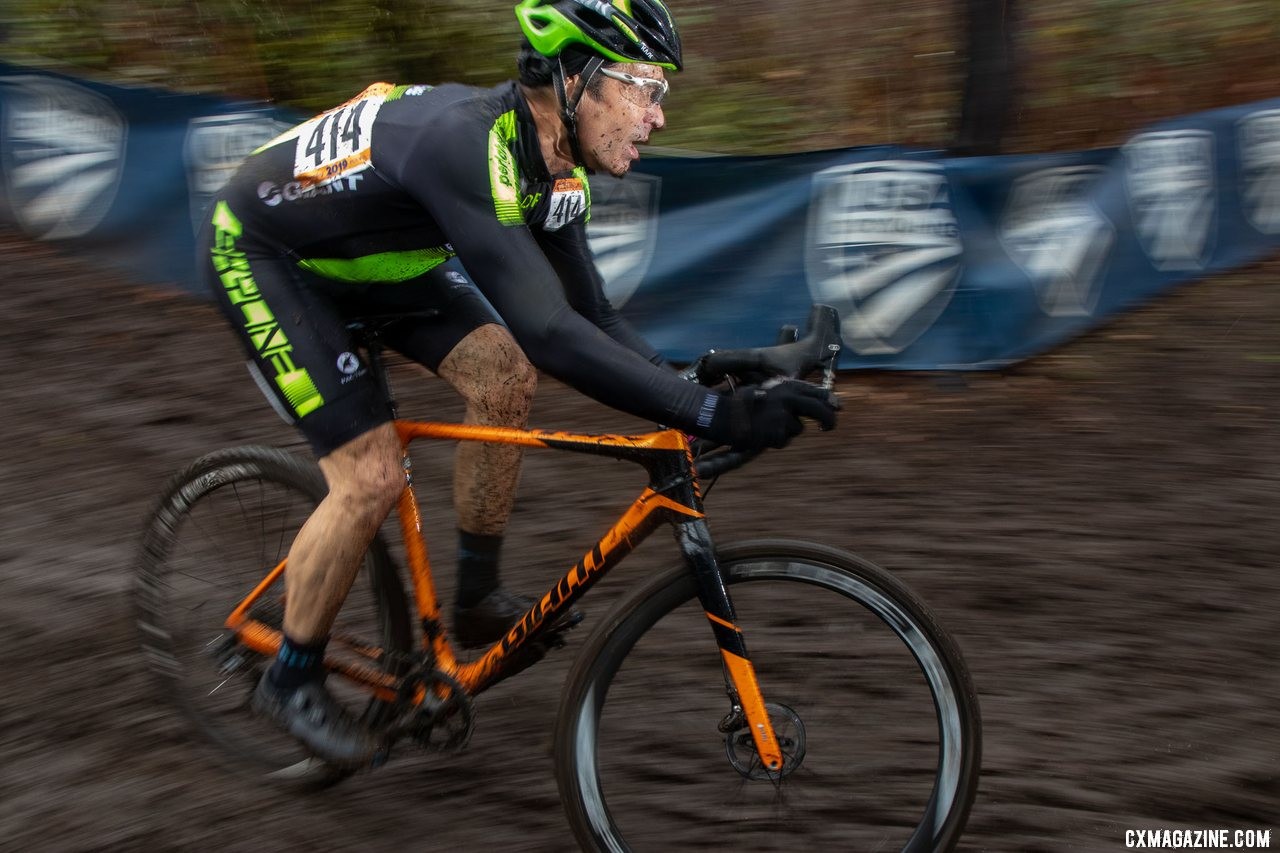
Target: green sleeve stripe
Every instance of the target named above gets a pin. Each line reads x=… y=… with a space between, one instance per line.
x=400 y=91
x=503 y=181
x=580 y=173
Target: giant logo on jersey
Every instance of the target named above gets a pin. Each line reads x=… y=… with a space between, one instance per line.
x=215 y=146
x=623 y=230
x=883 y=247
x=62 y=149
x=1172 y=195
x=1054 y=232
x=1259 y=140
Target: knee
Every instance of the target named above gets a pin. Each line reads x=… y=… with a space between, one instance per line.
x=366 y=476
x=505 y=394
x=520 y=380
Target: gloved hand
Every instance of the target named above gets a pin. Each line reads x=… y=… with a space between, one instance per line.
x=755 y=417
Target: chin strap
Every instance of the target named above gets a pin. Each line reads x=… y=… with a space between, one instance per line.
x=569 y=109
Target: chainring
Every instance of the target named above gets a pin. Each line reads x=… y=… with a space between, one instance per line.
x=445 y=720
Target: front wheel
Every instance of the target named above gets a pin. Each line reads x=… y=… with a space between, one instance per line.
x=868 y=695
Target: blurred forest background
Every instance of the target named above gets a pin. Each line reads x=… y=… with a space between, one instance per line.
x=763 y=75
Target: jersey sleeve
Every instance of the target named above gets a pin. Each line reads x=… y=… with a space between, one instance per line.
x=465 y=176
x=570 y=255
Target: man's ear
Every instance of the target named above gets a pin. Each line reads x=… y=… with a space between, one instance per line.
x=571 y=86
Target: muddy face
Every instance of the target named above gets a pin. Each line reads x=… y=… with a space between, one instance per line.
x=617 y=119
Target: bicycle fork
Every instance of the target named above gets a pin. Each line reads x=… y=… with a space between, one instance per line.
x=747 y=702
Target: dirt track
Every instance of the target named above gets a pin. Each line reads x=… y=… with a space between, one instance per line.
x=1097 y=528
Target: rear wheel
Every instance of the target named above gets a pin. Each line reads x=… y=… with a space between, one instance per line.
x=870 y=699
x=220 y=527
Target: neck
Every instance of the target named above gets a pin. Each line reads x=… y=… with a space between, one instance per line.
x=553 y=137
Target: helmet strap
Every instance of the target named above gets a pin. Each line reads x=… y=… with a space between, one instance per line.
x=569 y=108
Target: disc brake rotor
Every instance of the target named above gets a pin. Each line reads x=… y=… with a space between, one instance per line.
x=789 y=729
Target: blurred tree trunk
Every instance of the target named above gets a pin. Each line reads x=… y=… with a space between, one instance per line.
x=991 y=83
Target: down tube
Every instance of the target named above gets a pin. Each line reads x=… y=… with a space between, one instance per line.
x=699 y=553
x=648 y=512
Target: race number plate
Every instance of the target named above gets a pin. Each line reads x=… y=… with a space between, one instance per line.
x=337 y=143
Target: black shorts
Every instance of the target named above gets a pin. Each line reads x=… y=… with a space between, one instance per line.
x=293 y=325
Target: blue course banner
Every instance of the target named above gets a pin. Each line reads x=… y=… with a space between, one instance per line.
x=934 y=262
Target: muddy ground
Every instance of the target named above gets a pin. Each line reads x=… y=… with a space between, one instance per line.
x=1097 y=527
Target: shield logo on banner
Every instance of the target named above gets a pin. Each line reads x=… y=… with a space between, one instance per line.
x=623 y=230
x=215 y=146
x=1259 y=136
x=63 y=153
x=1054 y=232
x=1172 y=196
x=883 y=247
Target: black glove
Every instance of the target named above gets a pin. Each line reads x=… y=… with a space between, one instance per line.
x=755 y=417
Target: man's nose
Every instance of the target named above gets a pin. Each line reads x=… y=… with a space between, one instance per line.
x=656 y=118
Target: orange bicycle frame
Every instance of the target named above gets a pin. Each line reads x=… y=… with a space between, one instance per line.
x=673 y=496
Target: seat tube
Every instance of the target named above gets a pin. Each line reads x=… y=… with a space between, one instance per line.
x=694 y=538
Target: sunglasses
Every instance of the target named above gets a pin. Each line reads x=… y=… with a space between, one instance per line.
x=656 y=89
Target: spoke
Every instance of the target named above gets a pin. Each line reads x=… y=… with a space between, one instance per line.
x=281 y=545
x=194 y=520
x=205 y=565
x=219 y=584
x=220 y=685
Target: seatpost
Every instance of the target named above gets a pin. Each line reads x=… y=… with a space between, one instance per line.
x=378 y=365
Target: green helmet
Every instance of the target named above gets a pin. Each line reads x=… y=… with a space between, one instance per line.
x=619 y=30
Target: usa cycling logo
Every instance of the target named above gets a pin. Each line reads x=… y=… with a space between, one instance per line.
x=1052 y=230
x=1259 y=140
x=622 y=230
x=63 y=152
x=1172 y=196
x=215 y=146
x=884 y=248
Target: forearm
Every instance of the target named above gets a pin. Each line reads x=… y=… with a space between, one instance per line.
x=584 y=357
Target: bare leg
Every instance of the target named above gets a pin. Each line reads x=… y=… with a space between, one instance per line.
x=497 y=382
x=365 y=478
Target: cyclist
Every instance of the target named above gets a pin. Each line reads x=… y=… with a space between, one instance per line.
x=358 y=211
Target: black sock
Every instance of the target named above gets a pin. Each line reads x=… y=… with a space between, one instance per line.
x=477 y=567
x=298 y=663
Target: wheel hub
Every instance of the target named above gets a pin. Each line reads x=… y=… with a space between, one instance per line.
x=789 y=730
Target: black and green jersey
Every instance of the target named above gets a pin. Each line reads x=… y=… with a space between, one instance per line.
x=401 y=178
